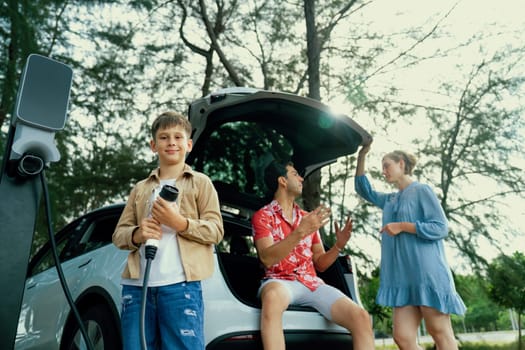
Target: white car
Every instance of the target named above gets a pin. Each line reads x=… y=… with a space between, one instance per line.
x=236 y=132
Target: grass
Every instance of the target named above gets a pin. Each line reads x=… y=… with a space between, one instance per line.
x=487 y=346
x=466 y=346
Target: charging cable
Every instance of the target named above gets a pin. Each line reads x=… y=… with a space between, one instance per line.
x=34 y=167
x=170 y=194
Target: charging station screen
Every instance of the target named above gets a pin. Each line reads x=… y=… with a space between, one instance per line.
x=44 y=94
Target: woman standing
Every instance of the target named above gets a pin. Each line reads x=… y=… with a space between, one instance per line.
x=415 y=278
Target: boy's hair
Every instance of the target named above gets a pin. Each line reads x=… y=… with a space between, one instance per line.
x=273 y=171
x=168 y=119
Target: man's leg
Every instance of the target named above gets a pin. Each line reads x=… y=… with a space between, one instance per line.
x=338 y=308
x=275 y=299
x=439 y=327
x=348 y=314
x=406 y=323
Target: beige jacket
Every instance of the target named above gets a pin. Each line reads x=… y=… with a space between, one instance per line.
x=198 y=202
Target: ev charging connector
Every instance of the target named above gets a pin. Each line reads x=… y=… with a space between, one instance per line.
x=35 y=123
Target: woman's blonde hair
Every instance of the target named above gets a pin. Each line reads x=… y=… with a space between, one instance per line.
x=409 y=159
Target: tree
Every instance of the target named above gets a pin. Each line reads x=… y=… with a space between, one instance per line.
x=25 y=28
x=214 y=26
x=482 y=313
x=382 y=316
x=507 y=286
x=476 y=143
x=316 y=39
x=473 y=152
x=89 y=174
x=132 y=59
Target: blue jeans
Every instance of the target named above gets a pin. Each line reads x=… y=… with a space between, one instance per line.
x=174 y=317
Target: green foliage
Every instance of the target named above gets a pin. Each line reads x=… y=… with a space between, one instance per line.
x=486 y=346
x=25 y=28
x=507 y=285
x=382 y=316
x=482 y=313
x=481 y=346
x=250 y=146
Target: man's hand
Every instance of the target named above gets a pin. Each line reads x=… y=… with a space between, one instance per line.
x=342 y=236
x=314 y=220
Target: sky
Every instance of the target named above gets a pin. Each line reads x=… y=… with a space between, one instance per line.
x=502 y=24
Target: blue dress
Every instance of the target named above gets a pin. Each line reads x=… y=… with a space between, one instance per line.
x=414 y=269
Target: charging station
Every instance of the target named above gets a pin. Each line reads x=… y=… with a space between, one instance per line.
x=40 y=111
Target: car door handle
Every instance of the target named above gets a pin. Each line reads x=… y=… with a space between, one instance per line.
x=32 y=285
x=84 y=264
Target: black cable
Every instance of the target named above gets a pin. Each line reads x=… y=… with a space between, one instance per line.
x=150 y=255
x=170 y=194
x=59 y=266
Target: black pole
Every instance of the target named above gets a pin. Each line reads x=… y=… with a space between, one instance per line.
x=40 y=111
x=18 y=211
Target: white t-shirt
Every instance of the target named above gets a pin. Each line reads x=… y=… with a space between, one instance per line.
x=166 y=268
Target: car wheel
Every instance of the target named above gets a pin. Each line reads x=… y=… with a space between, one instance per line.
x=101 y=330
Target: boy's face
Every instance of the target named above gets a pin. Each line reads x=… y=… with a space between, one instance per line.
x=172 y=144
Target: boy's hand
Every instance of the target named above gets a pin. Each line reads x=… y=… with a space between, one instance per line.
x=167 y=213
x=149 y=228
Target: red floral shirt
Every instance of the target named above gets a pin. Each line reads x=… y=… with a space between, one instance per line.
x=298 y=265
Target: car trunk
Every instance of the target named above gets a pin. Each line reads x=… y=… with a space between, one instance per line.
x=236 y=133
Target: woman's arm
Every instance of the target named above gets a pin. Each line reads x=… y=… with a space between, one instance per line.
x=360 y=168
x=434 y=224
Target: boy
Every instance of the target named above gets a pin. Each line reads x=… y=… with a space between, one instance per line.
x=186 y=231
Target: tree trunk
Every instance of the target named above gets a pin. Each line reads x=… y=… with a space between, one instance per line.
x=519 y=330
x=312 y=186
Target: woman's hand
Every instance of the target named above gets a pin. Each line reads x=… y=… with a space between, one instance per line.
x=393 y=228
x=364 y=150
x=360 y=168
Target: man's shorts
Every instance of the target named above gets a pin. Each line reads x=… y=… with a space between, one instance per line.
x=320 y=299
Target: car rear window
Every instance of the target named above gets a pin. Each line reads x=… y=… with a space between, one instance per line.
x=237 y=153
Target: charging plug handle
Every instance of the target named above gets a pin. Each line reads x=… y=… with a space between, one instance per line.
x=30 y=165
x=151 y=250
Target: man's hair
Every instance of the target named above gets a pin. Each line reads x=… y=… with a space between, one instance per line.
x=273 y=171
x=169 y=119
